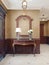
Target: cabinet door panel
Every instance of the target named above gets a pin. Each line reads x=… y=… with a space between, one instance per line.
x=1 y=29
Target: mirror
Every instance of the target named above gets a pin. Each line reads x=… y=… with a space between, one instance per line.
x=25 y=23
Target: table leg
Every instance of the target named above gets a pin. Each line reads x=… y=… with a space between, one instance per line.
x=13 y=50
x=34 y=49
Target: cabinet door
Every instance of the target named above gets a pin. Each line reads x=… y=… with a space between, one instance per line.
x=1 y=29
x=2 y=51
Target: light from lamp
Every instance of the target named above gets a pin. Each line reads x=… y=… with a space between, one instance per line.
x=18 y=29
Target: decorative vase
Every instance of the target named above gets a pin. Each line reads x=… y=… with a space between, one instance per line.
x=30 y=36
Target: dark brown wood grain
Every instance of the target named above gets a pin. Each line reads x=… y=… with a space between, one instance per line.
x=9 y=50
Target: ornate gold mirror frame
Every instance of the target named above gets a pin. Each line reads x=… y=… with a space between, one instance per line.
x=25 y=17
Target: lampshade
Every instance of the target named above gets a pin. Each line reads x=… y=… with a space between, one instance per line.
x=18 y=29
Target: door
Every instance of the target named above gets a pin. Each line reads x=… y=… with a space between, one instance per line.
x=41 y=33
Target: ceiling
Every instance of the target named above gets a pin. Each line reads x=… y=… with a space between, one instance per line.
x=31 y=4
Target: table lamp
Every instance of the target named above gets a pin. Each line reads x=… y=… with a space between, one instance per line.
x=18 y=30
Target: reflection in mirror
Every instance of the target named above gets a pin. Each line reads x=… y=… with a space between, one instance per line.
x=24 y=25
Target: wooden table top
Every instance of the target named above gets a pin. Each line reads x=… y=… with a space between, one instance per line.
x=24 y=42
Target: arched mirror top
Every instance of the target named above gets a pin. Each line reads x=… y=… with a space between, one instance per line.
x=24 y=16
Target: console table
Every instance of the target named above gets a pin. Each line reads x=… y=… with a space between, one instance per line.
x=24 y=42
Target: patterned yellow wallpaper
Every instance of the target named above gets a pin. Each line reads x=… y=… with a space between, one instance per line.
x=10 y=24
